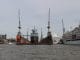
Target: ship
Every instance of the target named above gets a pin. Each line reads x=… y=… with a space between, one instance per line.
x=71 y=37
x=34 y=37
x=20 y=40
x=48 y=40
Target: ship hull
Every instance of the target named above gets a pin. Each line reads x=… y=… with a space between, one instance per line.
x=72 y=42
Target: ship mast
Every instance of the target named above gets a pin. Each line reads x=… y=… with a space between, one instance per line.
x=49 y=32
x=79 y=23
x=63 y=26
x=19 y=27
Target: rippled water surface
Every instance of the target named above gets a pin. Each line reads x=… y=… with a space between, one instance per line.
x=39 y=52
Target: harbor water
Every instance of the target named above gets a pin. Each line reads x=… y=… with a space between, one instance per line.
x=39 y=52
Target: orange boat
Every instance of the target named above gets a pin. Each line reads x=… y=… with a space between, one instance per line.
x=21 y=40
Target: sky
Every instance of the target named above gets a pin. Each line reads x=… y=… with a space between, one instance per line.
x=35 y=13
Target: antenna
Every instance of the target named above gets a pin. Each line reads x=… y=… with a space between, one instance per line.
x=27 y=35
x=34 y=27
x=41 y=34
x=63 y=26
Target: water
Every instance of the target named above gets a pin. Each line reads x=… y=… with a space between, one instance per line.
x=39 y=52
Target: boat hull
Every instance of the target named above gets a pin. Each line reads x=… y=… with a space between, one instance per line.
x=72 y=42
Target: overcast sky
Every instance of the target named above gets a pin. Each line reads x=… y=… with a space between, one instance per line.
x=35 y=13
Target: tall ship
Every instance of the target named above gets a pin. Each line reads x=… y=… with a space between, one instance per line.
x=20 y=40
x=48 y=39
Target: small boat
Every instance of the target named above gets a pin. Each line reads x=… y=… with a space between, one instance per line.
x=10 y=43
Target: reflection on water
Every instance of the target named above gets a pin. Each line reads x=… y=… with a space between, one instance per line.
x=39 y=52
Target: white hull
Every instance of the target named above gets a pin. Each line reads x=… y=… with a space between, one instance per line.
x=72 y=42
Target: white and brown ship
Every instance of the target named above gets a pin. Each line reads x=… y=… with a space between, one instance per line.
x=71 y=37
